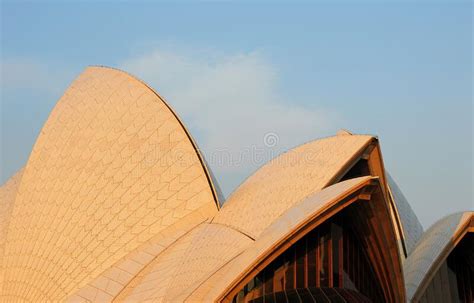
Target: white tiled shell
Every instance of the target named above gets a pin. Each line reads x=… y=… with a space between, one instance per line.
x=425 y=255
x=412 y=228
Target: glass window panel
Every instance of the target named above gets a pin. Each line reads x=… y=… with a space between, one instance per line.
x=336 y=234
x=269 y=298
x=445 y=282
x=319 y=295
x=430 y=293
x=304 y=295
x=311 y=270
x=280 y=297
x=313 y=259
x=453 y=288
x=424 y=299
x=290 y=271
x=268 y=279
x=357 y=269
x=300 y=263
x=333 y=296
x=292 y=296
x=240 y=297
x=279 y=277
x=323 y=257
x=353 y=262
x=438 y=287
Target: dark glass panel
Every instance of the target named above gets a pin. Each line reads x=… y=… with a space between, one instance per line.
x=280 y=297
x=337 y=254
x=300 y=264
x=430 y=292
x=438 y=288
x=361 y=168
x=347 y=296
x=279 y=269
x=311 y=271
x=290 y=268
x=323 y=257
x=453 y=280
x=304 y=295
x=353 y=258
x=332 y=251
x=258 y=291
x=357 y=268
x=269 y=298
x=425 y=300
x=257 y=300
x=453 y=287
x=358 y=273
x=268 y=279
x=332 y=295
x=445 y=282
x=318 y=295
x=292 y=296
x=240 y=297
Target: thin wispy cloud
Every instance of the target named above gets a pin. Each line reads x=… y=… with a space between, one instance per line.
x=235 y=105
x=32 y=75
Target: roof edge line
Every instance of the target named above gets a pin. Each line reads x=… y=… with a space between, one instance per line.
x=335 y=177
x=235 y=229
x=186 y=131
x=145 y=266
x=350 y=162
x=459 y=233
x=296 y=230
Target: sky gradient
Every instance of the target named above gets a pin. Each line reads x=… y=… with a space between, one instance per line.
x=236 y=72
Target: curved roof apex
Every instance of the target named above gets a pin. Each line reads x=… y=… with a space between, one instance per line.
x=217 y=192
x=289 y=178
x=344 y=132
x=112 y=168
x=432 y=249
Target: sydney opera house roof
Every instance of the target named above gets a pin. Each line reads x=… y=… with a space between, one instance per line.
x=116 y=203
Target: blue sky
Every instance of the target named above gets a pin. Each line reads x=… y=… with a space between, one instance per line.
x=401 y=70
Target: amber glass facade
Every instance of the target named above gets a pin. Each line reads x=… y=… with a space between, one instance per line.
x=454 y=280
x=329 y=261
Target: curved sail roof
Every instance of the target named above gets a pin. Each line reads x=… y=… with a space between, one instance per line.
x=117 y=203
x=112 y=168
x=305 y=214
x=431 y=250
x=301 y=172
x=8 y=192
x=323 y=159
x=412 y=228
x=173 y=275
x=199 y=266
x=288 y=179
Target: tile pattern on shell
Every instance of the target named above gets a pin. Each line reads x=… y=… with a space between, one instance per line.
x=286 y=180
x=8 y=193
x=111 y=168
x=108 y=285
x=278 y=230
x=326 y=159
x=428 y=250
x=412 y=228
x=186 y=264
